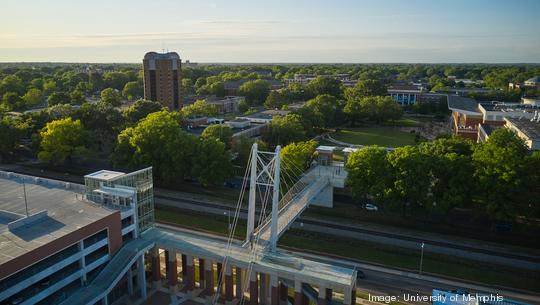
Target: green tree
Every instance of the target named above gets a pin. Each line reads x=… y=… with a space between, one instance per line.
x=49 y=86
x=9 y=135
x=132 y=90
x=375 y=108
x=276 y=99
x=32 y=97
x=296 y=157
x=497 y=171
x=325 y=85
x=255 y=91
x=284 y=130
x=140 y=109
x=212 y=162
x=12 y=100
x=102 y=122
x=450 y=155
x=96 y=80
x=11 y=83
x=58 y=98
x=221 y=132
x=369 y=173
x=187 y=86
x=116 y=80
x=354 y=111
x=111 y=97
x=327 y=107
x=368 y=87
x=62 y=139
x=410 y=190
x=199 y=109
x=77 y=97
x=159 y=141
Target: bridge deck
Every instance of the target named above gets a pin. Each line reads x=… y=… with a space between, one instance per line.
x=288 y=214
x=284 y=264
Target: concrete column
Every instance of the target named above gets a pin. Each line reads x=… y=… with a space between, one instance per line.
x=130 y=281
x=156 y=273
x=220 y=279
x=82 y=263
x=190 y=273
x=201 y=272
x=274 y=290
x=167 y=254
x=253 y=289
x=184 y=267
x=322 y=296
x=228 y=283
x=172 y=267
x=239 y=291
x=283 y=293
x=209 y=277
x=329 y=294
x=347 y=296
x=141 y=276
x=105 y=300
x=353 y=296
x=298 y=296
x=263 y=290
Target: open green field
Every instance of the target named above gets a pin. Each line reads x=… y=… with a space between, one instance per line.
x=377 y=253
x=382 y=136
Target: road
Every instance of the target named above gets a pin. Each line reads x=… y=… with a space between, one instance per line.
x=356 y=232
x=470 y=250
x=387 y=281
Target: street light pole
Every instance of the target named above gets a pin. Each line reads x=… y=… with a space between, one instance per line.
x=421 y=257
x=25 y=201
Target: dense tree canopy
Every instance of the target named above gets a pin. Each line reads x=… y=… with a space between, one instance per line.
x=62 y=139
x=111 y=97
x=198 y=109
x=159 y=141
x=255 y=91
x=284 y=130
x=221 y=132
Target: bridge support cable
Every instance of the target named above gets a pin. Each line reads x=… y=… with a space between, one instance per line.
x=232 y=228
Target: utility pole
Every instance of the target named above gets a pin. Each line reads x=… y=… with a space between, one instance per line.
x=421 y=257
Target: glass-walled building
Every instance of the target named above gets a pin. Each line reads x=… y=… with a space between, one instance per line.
x=125 y=191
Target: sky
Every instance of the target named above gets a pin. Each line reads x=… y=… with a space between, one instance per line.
x=271 y=31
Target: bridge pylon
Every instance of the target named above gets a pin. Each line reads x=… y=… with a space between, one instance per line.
x=264 y=176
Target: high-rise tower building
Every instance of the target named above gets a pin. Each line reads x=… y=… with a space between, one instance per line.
x=162 y=78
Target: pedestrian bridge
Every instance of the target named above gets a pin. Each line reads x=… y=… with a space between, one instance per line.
x=255 y=276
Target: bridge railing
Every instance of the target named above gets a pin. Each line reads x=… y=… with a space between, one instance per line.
x=293 y=207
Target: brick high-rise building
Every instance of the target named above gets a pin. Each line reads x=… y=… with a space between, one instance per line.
x=162 y=78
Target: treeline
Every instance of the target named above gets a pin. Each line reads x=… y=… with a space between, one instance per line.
x=27 y=88
x=497 y=178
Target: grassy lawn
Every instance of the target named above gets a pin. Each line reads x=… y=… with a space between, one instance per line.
x=382 y=136
x=382 y=254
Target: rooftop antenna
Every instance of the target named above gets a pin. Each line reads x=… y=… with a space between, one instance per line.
x=25 y=201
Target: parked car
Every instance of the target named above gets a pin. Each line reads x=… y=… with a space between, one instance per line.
x=371 y=207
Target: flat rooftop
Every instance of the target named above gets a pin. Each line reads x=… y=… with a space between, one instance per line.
x=530 y=128
x=105 y=175
x=66 y=212
x=462 y=104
